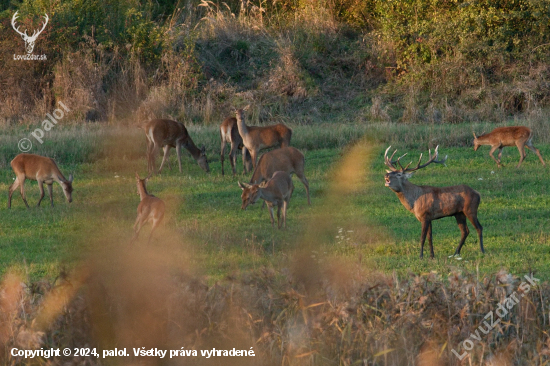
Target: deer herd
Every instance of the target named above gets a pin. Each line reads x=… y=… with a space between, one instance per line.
x=271 y=174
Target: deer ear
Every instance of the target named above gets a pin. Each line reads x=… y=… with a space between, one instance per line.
x=246 y=108
x=474 y=135
x=263 y=184
x=137 y=176
x=203 y=150
x=388 y=171
x=243 y=186
x=408 y=175
x=71 y=178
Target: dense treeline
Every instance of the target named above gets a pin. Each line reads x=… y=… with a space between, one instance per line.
x=439 y=61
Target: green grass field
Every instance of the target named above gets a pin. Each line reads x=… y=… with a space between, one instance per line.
x=367 y=225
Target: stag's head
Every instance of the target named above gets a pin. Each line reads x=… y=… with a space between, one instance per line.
x=68 y=188
x=395 y=177
x=29 y=40
x=203 y=161
x=251 y=193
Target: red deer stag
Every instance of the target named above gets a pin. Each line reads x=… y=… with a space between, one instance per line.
x=256 y=138
x=519 y=136
x=286 y=159
x=166 y=134
x=41 y=169
x=275 y=192
x=150 y=209
x=229 y=133
x=432 y=203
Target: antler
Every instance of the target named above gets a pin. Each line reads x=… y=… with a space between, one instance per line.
x=37 y=33
x=432 y=159
x=390 y=163
x=25 y=35
x=17 y=29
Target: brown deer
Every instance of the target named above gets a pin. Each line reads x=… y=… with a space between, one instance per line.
x=432 y=203
x=41 y=169
x=229 y=133
x=256 y=138
x=275 y=192
x=287 y=159
x=150 y=209
x=166 y=134
x=500 y=137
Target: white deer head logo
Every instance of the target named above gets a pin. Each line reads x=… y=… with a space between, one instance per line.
x=29 y=41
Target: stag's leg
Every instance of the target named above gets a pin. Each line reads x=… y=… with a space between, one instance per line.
x=50 y=191
x=279 y=223
x=254 y=154
x=303 y=179
x=166 y=148
x=244 y=157
x=285 y=207
x=12 y=189
x=473 y=219
x=137 y=227
x=178 y=151
x=430 y=242
x=21 y=179
x=521 y=149
x=41 y=188
x=461 y=221
x=152 y=157
x=500 y=153
x=233 y=158
x=156 y=222
x=493 y=149
x=529 y=145
x=425 y=228
x=222 y=153
x=270 y=207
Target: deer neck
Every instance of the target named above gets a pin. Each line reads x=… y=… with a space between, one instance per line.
x=142 y=191
x=267 y=195
x=409 y=194
x=243 y=129
x=192 y=148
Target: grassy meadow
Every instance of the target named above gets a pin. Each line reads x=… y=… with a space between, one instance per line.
x=368 y=225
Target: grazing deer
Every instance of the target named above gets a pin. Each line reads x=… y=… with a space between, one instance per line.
x=432 y=203
x=519 y=136
x=287 y=159
x=256 y=138
x=150 y=209
x=275 y=192
x=41 y=169
x=166 y=134
x=229 y=133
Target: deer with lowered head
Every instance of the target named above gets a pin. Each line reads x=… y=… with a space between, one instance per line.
x=41 y=169
x=256 y=138
x=500 y=137
x=277 y=191
x=150 y=209
x=287 y=159
x=229 y=133
x=165 y=133
x=432 y=203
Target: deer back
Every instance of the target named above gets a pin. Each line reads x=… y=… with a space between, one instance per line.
x=505 y=136
x=166 y=132
x=37 y=167
x=286 y=159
